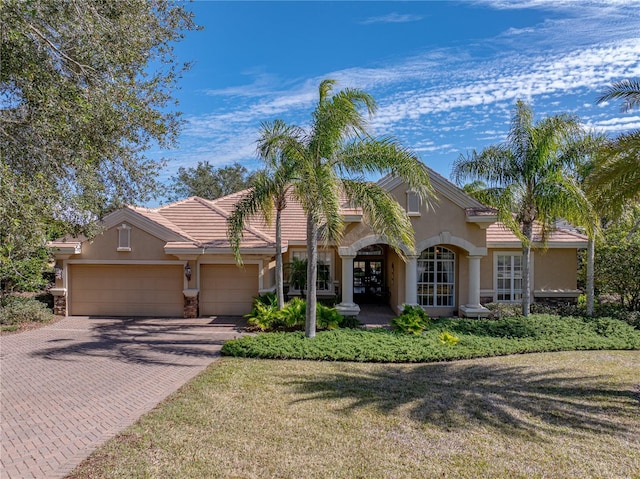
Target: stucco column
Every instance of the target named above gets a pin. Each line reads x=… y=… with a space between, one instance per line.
x=474 y=281
x=473 y=308
x=411 y=281
x=347 y=307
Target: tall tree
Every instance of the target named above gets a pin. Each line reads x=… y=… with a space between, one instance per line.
x=209 y=182
x=268 y=190
x=331 y=158
x=528 y=182
x=616 y=177
x=86 y=88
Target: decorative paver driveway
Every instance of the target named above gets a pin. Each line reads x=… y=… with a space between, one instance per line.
x=68 y=387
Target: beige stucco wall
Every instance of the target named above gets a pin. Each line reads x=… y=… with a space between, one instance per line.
x=144 y=246
x=556 y=269
x=553 y=269
x=445 y=216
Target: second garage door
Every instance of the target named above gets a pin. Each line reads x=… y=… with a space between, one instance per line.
x=227 y=290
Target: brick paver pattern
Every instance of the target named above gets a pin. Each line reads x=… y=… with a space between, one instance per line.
x=68 y=387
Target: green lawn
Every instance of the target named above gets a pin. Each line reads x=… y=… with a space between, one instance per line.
x=550 y=415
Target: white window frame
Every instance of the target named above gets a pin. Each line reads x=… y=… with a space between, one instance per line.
x=411 y=208
x=436 y=295
x=325 y=256
x=124 y=237
x=515 y=294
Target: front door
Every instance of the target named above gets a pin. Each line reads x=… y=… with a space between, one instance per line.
x=368 y=281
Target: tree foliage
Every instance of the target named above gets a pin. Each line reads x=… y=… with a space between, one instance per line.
x=616 y=178
x=330 y=158
x=617 y=267
x=529 y=179
x=209 y=182
x=85 y=89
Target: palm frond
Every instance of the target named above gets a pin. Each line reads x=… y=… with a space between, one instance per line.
x=627 y=90
x=382 y=213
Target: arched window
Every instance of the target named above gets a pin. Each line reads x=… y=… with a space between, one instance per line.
x=436 y=277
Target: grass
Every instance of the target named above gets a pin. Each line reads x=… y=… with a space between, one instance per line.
x=552 y=415
x=538 y=333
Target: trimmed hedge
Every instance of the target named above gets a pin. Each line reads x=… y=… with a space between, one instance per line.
x=477 y=338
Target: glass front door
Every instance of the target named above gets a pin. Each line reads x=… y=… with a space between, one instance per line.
x=368 y=281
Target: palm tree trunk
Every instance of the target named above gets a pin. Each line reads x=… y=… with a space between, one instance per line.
x=279 y=273
x=312 y=273
x=591 y=256
x=527 y=230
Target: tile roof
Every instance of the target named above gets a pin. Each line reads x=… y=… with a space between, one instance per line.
x=499 y=233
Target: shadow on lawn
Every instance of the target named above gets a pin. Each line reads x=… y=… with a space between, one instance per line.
x=146 y=340
x=511 y=399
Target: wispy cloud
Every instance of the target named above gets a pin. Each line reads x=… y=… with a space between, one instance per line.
x=392 y=18
x=436 y=101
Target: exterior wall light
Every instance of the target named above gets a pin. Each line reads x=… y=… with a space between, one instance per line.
x=58 y=270
x=187 y=272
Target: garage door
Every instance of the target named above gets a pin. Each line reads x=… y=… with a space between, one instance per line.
x=126 y=290
x=226 y=289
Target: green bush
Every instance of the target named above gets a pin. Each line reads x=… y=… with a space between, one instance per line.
x=264 y=315
x=18 y=310
x=293 y=314
x=327 y=318
x=477 y=338
x=412 y=320
x=504 y=310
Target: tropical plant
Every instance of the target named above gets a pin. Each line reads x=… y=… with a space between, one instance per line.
x=331 y=159
x=412 y=320
x=328 y=318
x=293 y=313
x=297 y=274
x=264 y=314
x=528 y=180
x=268 y=192
x=616 y=178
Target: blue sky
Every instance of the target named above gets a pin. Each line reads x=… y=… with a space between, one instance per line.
x=446 y=75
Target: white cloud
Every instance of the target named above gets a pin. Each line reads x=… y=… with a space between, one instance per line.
x=392 y=18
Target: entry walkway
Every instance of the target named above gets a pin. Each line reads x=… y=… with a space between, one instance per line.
x=68 y=387
x=375 y=315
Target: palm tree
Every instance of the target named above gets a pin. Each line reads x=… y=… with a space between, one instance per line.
x=528 y=180
x=616 y=178
x=267 y=192
x=332 y=157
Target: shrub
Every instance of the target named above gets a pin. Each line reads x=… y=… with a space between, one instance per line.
x=293 y=313
x=327 y=318
x=350 y=322
x=538 y=333
x=449 y=339
x=412 y=320
x=264 y=315
x=17 y=310
x=504 y=310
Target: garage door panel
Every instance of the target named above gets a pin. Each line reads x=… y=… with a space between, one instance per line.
x=126 y=290
x=227 y=289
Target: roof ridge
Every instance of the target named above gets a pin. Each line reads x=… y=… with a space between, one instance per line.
x=212 y=206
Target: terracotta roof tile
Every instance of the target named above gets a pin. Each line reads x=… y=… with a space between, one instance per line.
x=499 y=233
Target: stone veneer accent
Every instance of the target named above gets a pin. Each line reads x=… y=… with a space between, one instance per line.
x=556 y=300
x=60 y=305
x=191 y=306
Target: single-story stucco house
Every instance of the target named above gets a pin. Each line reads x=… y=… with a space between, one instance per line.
x=175 y=260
